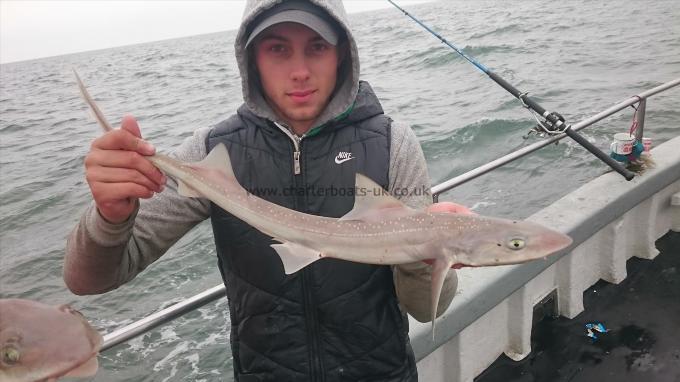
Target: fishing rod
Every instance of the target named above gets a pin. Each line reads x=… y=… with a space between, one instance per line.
x=553 y=122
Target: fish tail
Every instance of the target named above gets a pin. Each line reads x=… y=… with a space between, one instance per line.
x=98 y=115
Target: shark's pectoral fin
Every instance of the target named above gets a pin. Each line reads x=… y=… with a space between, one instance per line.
x=295 y=256
x=440 y=268
x=373 y=203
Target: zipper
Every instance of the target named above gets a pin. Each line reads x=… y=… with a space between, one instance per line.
x=296 y=157
x=311 y=319
x=296 y=143
x=315 y=367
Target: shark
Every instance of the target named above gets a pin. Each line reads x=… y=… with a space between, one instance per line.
x=40 y=342
x=379 y=229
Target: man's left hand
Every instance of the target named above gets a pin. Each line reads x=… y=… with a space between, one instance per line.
x=449 y=207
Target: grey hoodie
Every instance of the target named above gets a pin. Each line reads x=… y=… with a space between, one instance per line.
x=101 y=256
x=348 y=76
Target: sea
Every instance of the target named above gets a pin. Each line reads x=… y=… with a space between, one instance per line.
x=576 y=57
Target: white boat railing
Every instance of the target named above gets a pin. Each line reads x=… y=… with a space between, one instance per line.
x=161 y=317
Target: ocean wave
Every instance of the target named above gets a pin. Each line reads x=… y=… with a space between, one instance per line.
x=501 y=30
x=152 y=74
x=483 y=134
x=12 y=128
x=65 y=121
x=486 y=49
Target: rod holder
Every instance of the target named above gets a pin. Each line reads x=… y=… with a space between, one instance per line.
x=640 y=119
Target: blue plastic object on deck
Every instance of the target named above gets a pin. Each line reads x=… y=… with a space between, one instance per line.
x=595 y=327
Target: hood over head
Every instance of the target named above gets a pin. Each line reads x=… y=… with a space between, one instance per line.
x=348 y=73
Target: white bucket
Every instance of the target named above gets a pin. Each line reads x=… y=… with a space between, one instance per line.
x=623 y=144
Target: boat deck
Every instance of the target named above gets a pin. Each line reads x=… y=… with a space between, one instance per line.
x=642 y=314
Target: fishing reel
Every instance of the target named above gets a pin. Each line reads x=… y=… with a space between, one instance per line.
x=551 y=124
x=547 y=127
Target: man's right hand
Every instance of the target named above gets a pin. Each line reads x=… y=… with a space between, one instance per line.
x=118 y=172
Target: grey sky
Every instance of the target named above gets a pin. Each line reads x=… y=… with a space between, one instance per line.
x=32 y=29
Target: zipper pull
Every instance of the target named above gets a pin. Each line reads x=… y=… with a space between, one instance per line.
x=296 y=163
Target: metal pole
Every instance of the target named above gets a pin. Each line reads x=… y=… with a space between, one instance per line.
x=170 y=313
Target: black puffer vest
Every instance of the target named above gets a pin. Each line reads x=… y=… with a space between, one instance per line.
x=333 y=320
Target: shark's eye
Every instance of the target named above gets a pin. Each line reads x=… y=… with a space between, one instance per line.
x=10 y=355
x=515 y=243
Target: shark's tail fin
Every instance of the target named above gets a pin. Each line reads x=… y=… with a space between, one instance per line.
x=98 y=115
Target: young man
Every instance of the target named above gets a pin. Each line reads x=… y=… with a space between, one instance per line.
x=307 y=126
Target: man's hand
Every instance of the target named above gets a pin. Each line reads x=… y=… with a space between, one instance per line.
x=451 y=208
x=118 y=172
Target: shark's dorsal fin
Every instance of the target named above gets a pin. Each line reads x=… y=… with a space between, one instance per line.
x=373 y=203
x=217 y=159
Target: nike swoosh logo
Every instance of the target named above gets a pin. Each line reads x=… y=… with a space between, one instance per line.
x=338 y=161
